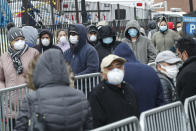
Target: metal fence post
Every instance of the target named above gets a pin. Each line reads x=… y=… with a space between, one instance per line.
x=84 y=13
x=77 y=12
x=52 y=12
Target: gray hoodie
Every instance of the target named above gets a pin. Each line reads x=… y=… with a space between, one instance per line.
x=31 y=35
x=65 y=108
x=143 y=47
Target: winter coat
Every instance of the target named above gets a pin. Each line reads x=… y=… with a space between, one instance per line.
x=164 y=40
x=185 y=81
x=110 y=103
x=8 y=74
x=42 y=48
x=31 y=35
x=142 y=48
x=64 y=108
x=169 y=91
x=143 y=78
x=84 y=58
x=103 y=49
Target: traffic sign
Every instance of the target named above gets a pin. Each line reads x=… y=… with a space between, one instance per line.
x=189 y=19
x=190 y=28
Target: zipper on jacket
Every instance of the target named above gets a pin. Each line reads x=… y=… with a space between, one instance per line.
x=123 y=91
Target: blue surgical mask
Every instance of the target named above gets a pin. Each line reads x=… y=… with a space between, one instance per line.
x=108 y=40
x=163 y=28
x=133 y=32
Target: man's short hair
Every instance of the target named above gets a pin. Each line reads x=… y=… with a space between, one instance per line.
x=187 y=44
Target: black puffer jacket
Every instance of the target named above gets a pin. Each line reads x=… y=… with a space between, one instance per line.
x=169 y=91
x=103 y=49
x=65 y=108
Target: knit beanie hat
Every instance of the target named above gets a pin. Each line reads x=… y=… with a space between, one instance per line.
x=14 y=33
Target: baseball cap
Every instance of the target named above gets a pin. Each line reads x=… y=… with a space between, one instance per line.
x=107 y=61
x=168 y=57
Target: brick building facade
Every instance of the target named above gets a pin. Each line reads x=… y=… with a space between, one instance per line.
x=183 y=4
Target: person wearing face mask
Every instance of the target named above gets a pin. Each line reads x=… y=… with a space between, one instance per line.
x=14 y=63
x=167 y=68
x=165 y=38
x=45 y=41
x=62 y=40
x=113 y=99
x=81 y=56
x=107 y=42
x=92 y=35
x=179 y=25
x=141 y=46
x=185 y=81
x=142 y=77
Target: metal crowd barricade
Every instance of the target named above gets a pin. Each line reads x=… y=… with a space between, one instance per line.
x=153 y=65
x=190 y=110
x=11 y=98
x=87 y=82
x=10 y=101
x=128 y=124
x=169 y=117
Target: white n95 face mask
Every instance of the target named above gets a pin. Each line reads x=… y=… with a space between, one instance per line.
x=115 y=76
x=45 y=42
x=93 y=38
x=19 y=45
x=73 y=39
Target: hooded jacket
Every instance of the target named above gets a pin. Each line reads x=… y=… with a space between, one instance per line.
x=83 y=58
x=42 y=48
x=144 y=79
x=152 y=25
x=103 y=49
x=142 y=48
x=165 y=40
x=31 y=35
x=64 y=108
x=92 y=28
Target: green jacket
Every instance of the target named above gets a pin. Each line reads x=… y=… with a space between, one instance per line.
x=165 y=41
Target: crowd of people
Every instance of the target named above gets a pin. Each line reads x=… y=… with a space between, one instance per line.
x=129 y=85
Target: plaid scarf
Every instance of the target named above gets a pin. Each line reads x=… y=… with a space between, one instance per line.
x=15 y=55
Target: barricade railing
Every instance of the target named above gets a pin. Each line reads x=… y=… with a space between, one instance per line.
x=87 y=82
x=153 y=65
x=10 y=101
x=169 y=117
x=190 y=110
x=128 y=124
